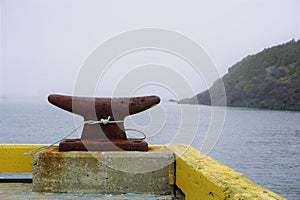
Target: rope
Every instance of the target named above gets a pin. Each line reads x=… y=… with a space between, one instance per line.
x=34 y=151
x=102 y=121
x=91 y=122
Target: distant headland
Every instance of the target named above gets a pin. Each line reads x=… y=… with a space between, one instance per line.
x=269 y=79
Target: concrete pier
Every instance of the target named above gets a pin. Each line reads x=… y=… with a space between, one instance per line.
x=14 y=191
x=104 y=172
x=198 y=176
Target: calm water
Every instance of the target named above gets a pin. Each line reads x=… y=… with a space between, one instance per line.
x=264 y=145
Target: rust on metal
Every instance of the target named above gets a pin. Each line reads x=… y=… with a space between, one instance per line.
x=103 y=137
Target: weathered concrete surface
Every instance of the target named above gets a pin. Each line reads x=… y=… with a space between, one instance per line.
x=197 y=175
x=201 y=177
x=104 y=172
x=13 y=191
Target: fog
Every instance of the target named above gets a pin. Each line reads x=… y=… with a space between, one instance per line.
x=45 y=43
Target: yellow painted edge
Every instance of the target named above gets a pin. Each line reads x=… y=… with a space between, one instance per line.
x=12 y=158
x=197 y=175
x=201 y=177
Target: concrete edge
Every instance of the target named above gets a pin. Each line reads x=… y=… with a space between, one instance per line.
x=201 y=177
x=197 y=175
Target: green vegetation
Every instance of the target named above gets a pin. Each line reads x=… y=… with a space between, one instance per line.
x=269 y=79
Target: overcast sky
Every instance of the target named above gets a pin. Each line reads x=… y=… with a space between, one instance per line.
x=45 y=42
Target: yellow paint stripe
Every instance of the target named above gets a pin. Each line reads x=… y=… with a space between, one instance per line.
x=201 y=177
x=12 y=158
x=197 y=175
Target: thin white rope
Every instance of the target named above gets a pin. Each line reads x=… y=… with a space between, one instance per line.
x=91 y=122
x=101 y=121
x=34 y=151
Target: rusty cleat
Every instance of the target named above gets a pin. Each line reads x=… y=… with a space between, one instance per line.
x=103 y=137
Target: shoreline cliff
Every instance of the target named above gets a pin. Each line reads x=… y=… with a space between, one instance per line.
x=269 y=79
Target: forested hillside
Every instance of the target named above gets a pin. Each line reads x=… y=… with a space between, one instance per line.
x=269 y=79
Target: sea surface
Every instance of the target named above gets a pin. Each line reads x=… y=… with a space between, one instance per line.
x=262 y=144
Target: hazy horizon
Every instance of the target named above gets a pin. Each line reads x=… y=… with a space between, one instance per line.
x=45 y=43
